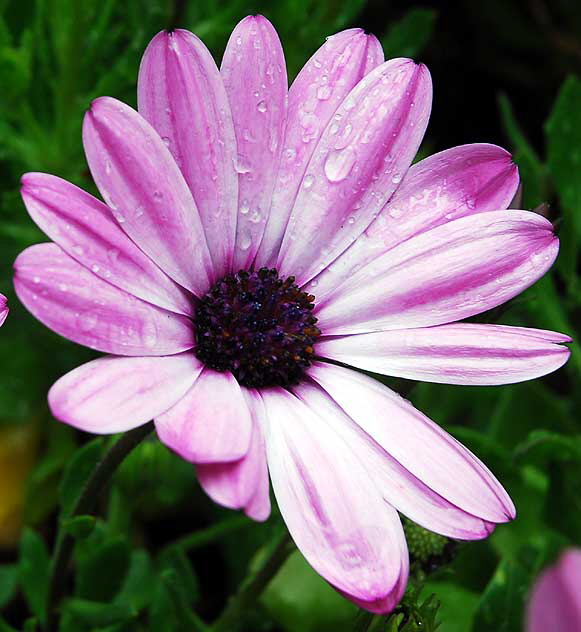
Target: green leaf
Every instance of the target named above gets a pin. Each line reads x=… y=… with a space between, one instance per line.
x=532 y=171
x=563 y=131
x=34 y=570
x=501 y=605
x=95 y=613
x=409 y=36
x=301 y=601
x=79 y=527
x=457 y=605
x=77 y=473
x=8 y=583
x=102 y=572
x=139 y=585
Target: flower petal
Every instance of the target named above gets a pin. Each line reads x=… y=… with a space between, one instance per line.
x=325 y=80
x=3 y=309
x=243 y=483
x=555 y=603
x=115 y=394
x=254 y=73
x=451 y=272
x=180 y=92
x=460 y=181
x=462 y=353
x=149 y=198
x=359 y=161
x=331 y=505
x=211 y=423
x=417 y=443
x=71 y=300
x=398 y=486
x=83 y=227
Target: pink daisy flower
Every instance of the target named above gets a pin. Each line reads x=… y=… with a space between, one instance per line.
x=555 y=602
x=254 y=241
x=3 y=309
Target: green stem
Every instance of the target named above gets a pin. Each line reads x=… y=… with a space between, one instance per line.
x=200 y=538
x=85 y=504
x=231 y=618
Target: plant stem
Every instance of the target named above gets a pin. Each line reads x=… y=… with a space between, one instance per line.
x=231 y=618
x=85 y=504
x=205 y=536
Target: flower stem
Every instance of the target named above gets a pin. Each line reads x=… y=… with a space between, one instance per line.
x=214 y=532
x=231 y=618
x=85 y=504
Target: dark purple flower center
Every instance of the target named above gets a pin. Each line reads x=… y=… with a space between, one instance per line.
x=258 y=326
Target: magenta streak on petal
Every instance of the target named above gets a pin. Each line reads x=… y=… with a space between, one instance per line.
x=181 y=93
x=419 y=444
x=462 y=353
x=140 y=181
x=254 y=74
x=114 y=394
x=460 y=181
x=397 y=485
x=3 y=309
x=325 y=80
x=335 y=515
x=211 y=423
x=241 y=484
x=360 y=159
x=78 y=305
x=84 y=228
x=451 y=272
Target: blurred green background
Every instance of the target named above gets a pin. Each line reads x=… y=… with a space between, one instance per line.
x=504 y=72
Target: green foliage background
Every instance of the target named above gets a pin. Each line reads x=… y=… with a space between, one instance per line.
x=159 y=550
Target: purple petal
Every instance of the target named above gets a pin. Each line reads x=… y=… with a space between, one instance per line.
x=211 y=423
x=83 y=227
x=555 y=602
x=453 y=354
x=398 y=486
x=254 y=73
x=71 y=300
x=242 y=484
x=331 y=506
x=359 y=161
x=451 y=272
x=3 y=309
x=115 y=394
x=149 y=198
x=418 y=445
x=459 y=181
x=325 y=80
x=180 y=92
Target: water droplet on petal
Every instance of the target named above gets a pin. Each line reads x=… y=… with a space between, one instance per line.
x=309 y=181
x=261 y=106
x=339 y=164
x=244 y=240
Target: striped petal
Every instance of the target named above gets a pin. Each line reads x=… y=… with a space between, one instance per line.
x=78 y=305
x=142 y=184
x=180 y=92
x=254 y=73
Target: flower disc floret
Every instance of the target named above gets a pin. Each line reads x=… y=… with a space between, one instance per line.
x=257 y=326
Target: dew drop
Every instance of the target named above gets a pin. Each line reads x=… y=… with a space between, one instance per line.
x=339 y=164
x=244 y=206
x=244 y=240
x=261 y=106
x=308 y=181
x=323 y=93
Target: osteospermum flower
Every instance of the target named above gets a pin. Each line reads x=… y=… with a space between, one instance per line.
x=3 y=309
x=251 y=234
x=555 y=602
